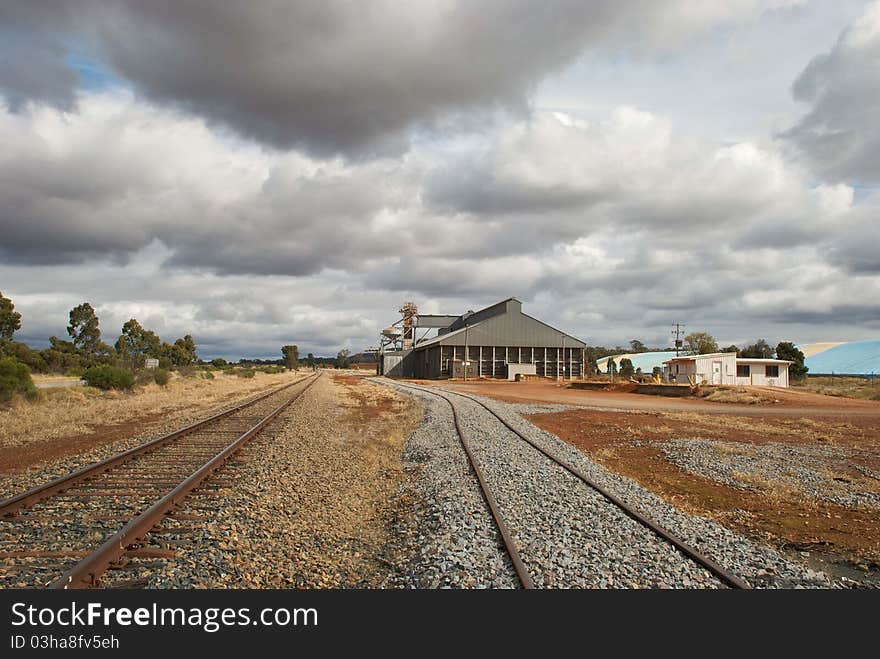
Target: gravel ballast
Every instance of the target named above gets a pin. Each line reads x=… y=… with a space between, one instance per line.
x=568 y=535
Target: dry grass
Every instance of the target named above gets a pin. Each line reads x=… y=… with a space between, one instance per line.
x=725 y=422
x=45 y=377
x=775 y=491
x=862 y=388
x=67 y=412
x=737 y=395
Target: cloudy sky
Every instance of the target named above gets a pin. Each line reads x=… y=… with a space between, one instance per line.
x=275 y=171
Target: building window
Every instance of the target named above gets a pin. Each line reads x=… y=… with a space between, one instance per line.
x=772 y=371
x=743 y=370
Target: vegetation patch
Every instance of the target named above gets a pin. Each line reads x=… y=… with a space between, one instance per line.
x=846 y=387
x=108 y=377
x=15 y=379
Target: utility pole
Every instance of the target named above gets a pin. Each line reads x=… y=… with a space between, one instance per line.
x=677 y=332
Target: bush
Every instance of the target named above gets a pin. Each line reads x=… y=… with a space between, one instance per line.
x=187 y=371
x=245 y=373
x=208 y=375
x=108 y=377
x=75 y=372
x=161 y=376
x=15 y=378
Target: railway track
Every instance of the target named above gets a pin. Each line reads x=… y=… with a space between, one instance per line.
x=112 y=523
x=514 y=552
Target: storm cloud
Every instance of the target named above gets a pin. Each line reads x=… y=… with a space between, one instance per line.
x=840 y=134
x=338 y=77
x=282 y=172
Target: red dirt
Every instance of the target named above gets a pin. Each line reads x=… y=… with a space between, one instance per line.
x=781 y=518
x=21 y=457
x=791 y=403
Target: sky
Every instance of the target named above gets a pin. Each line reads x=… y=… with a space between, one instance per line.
x=269 y=172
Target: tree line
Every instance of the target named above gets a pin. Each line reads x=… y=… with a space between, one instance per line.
x=85 y=348
x=290 y=359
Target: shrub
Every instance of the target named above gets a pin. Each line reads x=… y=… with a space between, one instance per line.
x=208 y=375
x=75 y=372
x=161 y=376
x=15 y=378
x=245 y=373
x=108 y=377
x=187 y=371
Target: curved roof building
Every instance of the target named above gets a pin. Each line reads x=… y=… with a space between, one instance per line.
x=641 y=360
x=850 y=358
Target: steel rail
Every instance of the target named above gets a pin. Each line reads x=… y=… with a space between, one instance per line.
x=87 y=573
x=11 y=506
x=522 y=572
x=724 y=575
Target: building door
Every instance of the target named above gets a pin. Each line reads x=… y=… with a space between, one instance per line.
x=716 y=372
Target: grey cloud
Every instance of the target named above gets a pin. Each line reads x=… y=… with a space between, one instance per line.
x=341 y=77
x=853 y=246
x=32 y=54
x=840 y=135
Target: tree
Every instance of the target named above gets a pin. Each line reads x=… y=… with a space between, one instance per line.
x=291 y=357
x=186 y=350
x=700 y=343
x=760 y=349
x=626 y=368
x=612 y=367
x=789 y=351
x=218 y=362
x=61 y=356
x=136 y=344
x=10 y=322
x=310 y=360
x=637 y=346
x=84 y=331
x=342 y=358
x=731 y=348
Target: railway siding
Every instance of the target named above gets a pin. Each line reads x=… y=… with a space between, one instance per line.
x=571 y=537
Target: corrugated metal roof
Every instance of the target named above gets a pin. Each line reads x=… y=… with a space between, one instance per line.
x=503 y=324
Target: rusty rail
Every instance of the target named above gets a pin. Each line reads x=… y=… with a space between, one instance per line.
x=522 y=572
x=712 y=566
x=87 y=573
x=11 y=506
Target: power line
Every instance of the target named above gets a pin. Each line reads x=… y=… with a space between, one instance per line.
x=678 y=330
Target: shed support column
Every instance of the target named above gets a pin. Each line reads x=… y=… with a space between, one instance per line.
x=480 y=362
x=493 y=362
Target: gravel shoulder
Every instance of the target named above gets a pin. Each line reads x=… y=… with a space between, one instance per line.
x=312 y=501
